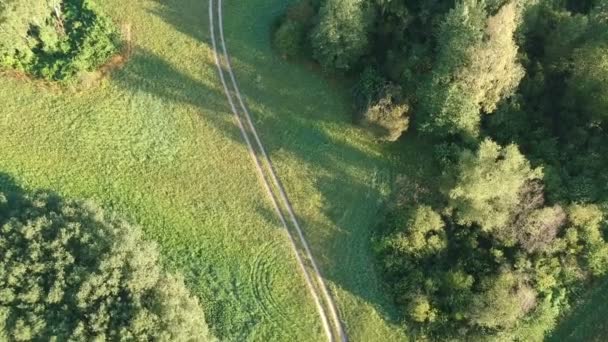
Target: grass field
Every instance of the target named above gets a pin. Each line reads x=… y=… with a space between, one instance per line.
x=157 y=143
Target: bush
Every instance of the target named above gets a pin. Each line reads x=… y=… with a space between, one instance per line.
x=70 y=271
x=290 y=37
x=55 y=40
x=378 y=106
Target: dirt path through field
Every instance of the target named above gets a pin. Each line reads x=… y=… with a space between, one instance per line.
x=266 y=171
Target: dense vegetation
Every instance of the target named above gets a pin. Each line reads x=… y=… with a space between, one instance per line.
x=513 y=96
x=70 y=271
x=55 y=39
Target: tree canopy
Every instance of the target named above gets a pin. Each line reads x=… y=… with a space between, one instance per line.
x=489 y=184
x=342 y=35
x=476 y=67
x=55 y=39
x=71 y=271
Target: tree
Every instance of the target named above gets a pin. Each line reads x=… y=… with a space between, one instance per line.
x=488 y=185
x=341 y=37
x=16 y=20
x=476 y=67
x=540 y=228
x=70 y=271
x=588 y=82
x=55 y=39
x=420 y=310
x=423 y=235
x=505 y=300
x=290 y=36
x=586 y=236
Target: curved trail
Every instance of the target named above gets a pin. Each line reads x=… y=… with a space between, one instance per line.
x=333 y=329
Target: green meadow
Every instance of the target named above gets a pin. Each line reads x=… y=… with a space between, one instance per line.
x=156 y=141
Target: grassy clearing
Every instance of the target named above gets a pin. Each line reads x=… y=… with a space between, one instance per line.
x=157 y=141
x=587 y=321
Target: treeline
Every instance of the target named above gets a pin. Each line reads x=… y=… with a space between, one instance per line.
x=514 y=96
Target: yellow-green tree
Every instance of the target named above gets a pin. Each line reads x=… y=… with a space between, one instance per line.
x=54 y=39
x=488 y=185
x=476 y=67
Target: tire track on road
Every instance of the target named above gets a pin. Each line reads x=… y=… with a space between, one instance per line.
x=266 y=184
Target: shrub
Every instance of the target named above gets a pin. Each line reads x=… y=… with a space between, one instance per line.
x=290 y=37
x=55 y=40
x=70 y=271
x=378 y=106
x=386 y=118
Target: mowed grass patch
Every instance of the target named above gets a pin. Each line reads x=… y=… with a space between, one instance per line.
x=157 y=142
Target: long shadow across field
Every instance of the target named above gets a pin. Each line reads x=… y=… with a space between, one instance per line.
x=351 y=176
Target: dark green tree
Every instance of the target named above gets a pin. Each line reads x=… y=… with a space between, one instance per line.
x=291 y=35
x=342 y=35
x=70 y=271
x=588 y=82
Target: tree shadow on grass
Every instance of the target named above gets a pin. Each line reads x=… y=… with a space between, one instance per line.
x=149 y=73
x=299 y=120
x=8 y=184
x=187 y=16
